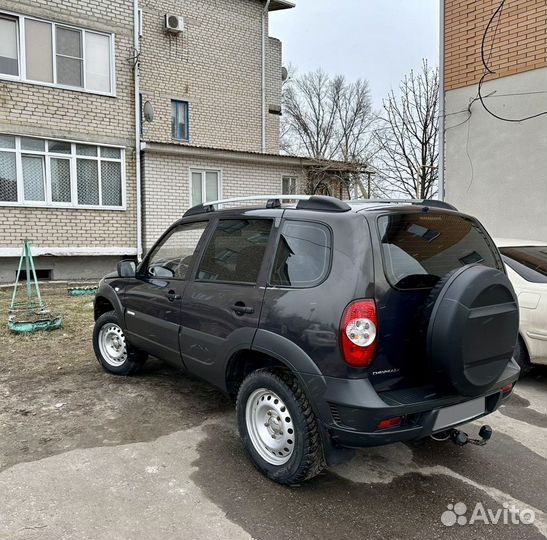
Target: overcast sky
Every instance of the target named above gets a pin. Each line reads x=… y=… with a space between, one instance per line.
x=378 y=40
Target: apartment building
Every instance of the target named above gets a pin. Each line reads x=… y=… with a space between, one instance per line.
x=214 y=85
x=495 y=140
x=116 y=116
x=67 y=136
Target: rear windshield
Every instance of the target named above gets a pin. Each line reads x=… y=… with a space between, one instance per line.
x=418 y=249
x=529 y=262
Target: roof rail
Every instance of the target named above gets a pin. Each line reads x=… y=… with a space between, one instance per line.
x=432 y=203
x=305 y=202
x=435 y=203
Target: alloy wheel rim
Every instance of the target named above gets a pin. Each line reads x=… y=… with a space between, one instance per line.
x=270 y=426
x=112 y=345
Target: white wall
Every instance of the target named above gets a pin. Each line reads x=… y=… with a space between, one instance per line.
x=496 y=170
x=166 y=185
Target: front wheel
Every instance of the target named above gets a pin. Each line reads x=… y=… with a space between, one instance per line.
x=112 y=350
x=278 y=427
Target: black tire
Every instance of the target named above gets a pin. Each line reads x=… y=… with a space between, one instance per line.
x=522 y=357
x=307 y=458
x=130 y=362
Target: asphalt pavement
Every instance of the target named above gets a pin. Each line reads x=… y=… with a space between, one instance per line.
x=159 y=457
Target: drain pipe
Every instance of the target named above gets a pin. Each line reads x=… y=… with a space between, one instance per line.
x=264 y=16
x=136 y=45
x=441 y=103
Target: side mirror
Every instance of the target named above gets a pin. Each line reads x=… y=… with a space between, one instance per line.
x=127 y=269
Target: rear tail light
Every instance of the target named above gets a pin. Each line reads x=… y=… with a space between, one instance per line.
x=507 y=388
x=358 y=333
x=389 y=423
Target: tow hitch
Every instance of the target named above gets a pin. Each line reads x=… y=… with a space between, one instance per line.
x=461 y=438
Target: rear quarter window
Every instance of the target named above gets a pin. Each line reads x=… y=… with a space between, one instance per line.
x=303 y=255
x=420 y=248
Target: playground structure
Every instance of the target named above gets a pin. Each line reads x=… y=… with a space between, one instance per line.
x=31 y=314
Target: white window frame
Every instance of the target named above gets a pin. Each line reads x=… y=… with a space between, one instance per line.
x=18 y=45
x=293 y=177
x=72 y=157
x=202 y=171
x=22 y=77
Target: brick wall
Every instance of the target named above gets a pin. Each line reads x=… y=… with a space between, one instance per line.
x=30 y=109
x=520 y=43
x=215 y=65
x=166 y=186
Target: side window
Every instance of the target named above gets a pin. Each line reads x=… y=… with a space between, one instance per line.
x=179 y=120
x=174 y=256
x=303 y=255
x=235 y=251
x=289 y=185
x=9 y=54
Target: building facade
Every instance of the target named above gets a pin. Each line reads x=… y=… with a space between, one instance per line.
x=495 y=143
x=116 y=116
x=215 y=91
x=67 y=137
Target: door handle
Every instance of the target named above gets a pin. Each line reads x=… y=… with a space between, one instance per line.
x=241 y=309
x=172 y=296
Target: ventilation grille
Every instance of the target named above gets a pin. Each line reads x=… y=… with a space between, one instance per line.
x=335 y=413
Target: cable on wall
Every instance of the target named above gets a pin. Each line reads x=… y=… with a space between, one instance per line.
x=488 y=71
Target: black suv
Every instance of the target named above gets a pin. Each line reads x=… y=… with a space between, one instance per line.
x=332 y=325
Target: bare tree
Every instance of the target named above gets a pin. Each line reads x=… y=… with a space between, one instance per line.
x=326 y=119
x=407 y=135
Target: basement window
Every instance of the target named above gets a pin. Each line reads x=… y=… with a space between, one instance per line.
x=41 y=274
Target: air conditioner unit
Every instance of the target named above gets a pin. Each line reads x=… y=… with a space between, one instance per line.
x=174 y=23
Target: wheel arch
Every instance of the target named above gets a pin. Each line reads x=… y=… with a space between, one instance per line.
x=102 y=305
x=244 y=362
x=268 y=350
x=106 y=300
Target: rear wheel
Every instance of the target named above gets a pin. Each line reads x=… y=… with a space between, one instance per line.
x=522 y=357
x=112 y=350
x=278 y=427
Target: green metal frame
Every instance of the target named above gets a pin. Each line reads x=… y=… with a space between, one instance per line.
x=26 y=256
x=44 y=320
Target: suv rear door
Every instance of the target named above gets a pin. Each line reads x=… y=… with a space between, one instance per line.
x=221 y=307
x=417 y=248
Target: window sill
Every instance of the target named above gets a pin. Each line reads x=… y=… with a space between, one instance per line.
x=62 y=206
x=11 y=78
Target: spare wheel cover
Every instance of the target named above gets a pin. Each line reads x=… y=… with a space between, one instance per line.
x=473 y=329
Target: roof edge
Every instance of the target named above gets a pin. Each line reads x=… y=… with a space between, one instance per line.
x=245 y=156
x=278 y=5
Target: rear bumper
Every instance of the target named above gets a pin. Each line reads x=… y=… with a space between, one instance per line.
x=351 y=409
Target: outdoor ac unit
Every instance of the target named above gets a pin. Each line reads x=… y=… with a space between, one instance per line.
x=174 y=23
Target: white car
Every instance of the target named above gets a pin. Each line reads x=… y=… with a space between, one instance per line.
x=526 y=264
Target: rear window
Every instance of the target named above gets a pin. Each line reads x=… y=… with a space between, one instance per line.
x=529 y=262
x=419 y=249
x=235 y=251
